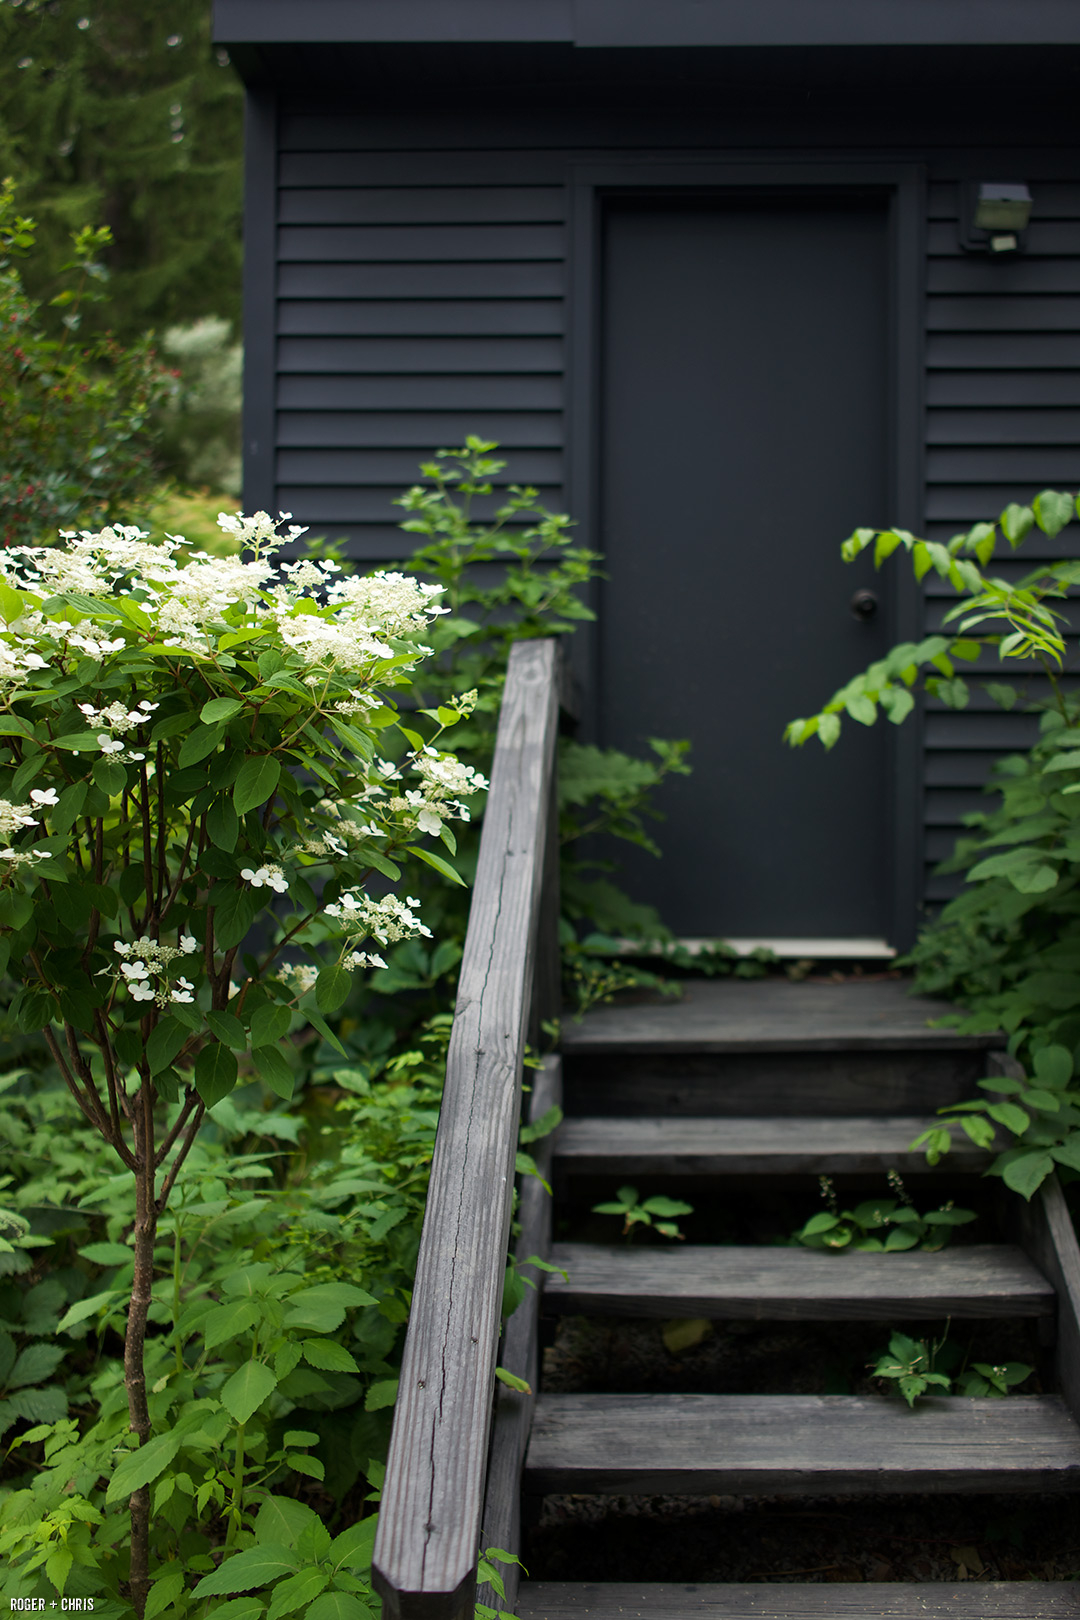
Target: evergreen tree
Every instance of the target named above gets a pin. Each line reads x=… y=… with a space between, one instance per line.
x=121 y=113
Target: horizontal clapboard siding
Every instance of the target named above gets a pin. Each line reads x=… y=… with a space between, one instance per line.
x=423 y=317
x=1002 y=422
x=356 y=429
x=420 y=298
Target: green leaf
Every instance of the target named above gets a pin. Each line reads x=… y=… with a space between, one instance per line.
x=382 y=1393
x=236 y=909
x=106 y=1254
x=1054 y=1066
x=1026 y=1173
x=317 y=1021
x=283 y=1520
x=431 y=859
x=332 y=988
x=255 y=1566
x=62 y=817
x=1053 y=510
x=269 y=1023
x=382 y=863
x=1068 y=1152
x=338 y=1605
x=1023 y=869
x=667 y=1207
x=323 y=1307
x=512 y=1381
x=328 y=1356
x=354 y=1547
x=229 y=1320
x=259 y=776
x=300 y=1437
x=980 y=1131
x=862 y=709
x=228 y=1028
x=222 y=708
x=35 y=1364
x=223 y=824
x=16 y=908
x=58 y=1567
x=897 y=702
x=198 y=744
x=1069 y=761
x=1044 y=1101
x=141 y=1467
x=949 y=1217
x=286 y=1359
x=296 y=1590
x=165 y=1044
x=79 y=742
x=245 y=1391
x=165 y=1590
x=215 y=1073
x=86 y=1307
x=1016 y=521
x=1057 y=990
x=549 y=1121
x=1008 y=1114
x=272 y=1066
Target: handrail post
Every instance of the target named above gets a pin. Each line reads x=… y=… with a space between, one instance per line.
x=429 y=1522
x=546 y=1000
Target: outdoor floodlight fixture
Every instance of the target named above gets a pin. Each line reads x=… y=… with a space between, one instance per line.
x=994 y=215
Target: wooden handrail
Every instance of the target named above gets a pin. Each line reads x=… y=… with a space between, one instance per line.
x=429 y=1520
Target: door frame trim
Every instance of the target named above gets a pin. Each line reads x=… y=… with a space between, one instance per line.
x=591 y=184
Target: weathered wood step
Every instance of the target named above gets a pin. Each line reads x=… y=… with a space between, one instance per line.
x=983 y=1280
x=797 y=1445
x=771 y=1047
x=896 y=1600
x=826 y=1084
x=774 y=1015
x=784 y=1146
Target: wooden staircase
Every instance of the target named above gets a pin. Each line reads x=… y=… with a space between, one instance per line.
x=752 y=1080
x=740 y=1085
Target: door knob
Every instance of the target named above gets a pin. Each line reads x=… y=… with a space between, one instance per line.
x=864 y=604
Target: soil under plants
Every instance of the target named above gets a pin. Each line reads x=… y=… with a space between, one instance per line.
x=746 y=1539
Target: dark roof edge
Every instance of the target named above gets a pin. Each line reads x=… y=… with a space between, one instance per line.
x=649 y=23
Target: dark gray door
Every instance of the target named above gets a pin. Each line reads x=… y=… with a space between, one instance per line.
x=743 y=435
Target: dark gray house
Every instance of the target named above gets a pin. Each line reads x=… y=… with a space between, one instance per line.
x=711 y=272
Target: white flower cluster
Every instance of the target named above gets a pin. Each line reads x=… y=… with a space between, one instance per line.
x=266 y=877
x=399 y=604
x=299 y=976
x=117 y=717
x=145 y=959
x=22 y=857
x=446 y=782
x=259 y=533
x=359 y=959
x=17 y=660
x=387 y=920
x=358 y=704
x=345 y=831
x=13 y=817
x=339 y=626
